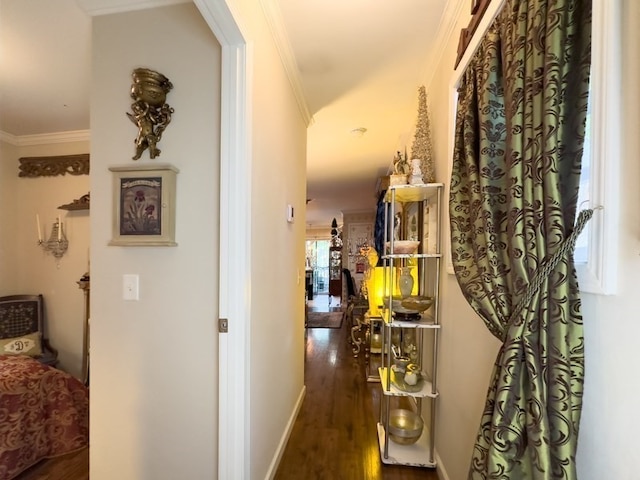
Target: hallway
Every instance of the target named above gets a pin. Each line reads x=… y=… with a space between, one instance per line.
x=334 y=436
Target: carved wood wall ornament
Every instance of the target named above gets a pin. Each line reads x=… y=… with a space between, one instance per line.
x=52 y=166
x=82 y=203
x=478 y=8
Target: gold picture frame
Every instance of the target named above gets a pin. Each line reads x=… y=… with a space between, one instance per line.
x=144 y=205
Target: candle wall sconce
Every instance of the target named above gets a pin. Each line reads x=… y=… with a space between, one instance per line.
x=57 y=243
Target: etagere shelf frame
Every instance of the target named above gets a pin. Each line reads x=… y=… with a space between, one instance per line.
x=427 y=259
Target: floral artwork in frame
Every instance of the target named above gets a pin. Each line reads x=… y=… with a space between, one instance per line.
x=144 y=205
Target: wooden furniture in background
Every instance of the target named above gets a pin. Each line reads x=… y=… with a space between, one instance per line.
x=22 y=315
x=478 y=9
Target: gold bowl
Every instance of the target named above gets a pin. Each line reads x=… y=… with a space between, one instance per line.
x=405 y=426
x=417 y=303
x=404 y=247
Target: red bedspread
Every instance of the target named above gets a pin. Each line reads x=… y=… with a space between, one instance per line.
x=44 y=412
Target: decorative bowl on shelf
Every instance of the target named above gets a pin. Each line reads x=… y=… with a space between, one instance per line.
x=405 y=426
x=396 y=302
x=417 y=303
x=403 y=247
x=401 y=362
x=409 y=308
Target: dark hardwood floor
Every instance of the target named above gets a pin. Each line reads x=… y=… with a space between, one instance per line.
x=74 y=466
x=334 y=436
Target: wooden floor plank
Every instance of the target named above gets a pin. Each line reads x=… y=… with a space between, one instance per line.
x=74 y=466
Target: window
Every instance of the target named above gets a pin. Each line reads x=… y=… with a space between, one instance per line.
x=597 y=253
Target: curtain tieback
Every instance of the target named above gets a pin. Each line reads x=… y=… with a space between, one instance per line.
x=568 y=245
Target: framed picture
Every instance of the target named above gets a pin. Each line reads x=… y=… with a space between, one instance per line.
x=144 y=205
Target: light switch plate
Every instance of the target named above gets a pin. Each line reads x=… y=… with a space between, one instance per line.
x=130 y=287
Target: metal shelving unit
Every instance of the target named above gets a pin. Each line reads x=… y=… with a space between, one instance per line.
x=425 y=202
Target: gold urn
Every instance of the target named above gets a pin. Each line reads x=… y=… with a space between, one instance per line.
x=150 y=87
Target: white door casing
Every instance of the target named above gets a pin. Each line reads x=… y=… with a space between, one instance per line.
x=235 y=233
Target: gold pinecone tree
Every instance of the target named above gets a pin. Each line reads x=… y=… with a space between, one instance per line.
x=422 y=147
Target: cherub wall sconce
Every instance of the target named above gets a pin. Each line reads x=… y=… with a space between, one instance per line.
x=150 y=112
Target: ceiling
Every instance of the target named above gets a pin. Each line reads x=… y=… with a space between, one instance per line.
x=360 y=64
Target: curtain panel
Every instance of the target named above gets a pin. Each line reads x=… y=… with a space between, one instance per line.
x=519 y=137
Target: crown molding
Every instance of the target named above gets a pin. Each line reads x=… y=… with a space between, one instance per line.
x=8 y=138
x=96 y=8
x=273 y=16
x=46 y=138
x=452 y=13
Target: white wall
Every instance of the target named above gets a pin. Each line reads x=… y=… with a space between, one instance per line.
x=278 y=178
x=25 y=266
x=608 y=445
x=9 y=155
x=154 y=361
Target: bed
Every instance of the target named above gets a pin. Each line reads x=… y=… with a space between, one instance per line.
x=44 y=413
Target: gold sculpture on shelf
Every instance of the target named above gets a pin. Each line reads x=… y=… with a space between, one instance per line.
x=150 y=112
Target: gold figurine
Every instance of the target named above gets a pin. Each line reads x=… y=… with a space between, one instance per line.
x=150 y=112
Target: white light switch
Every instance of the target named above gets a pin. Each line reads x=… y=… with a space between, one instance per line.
x=130 y=289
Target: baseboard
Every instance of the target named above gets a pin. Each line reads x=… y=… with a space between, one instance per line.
x=285 y=436
x=442 y=473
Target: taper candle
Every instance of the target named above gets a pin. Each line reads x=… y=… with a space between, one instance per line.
x=59 y=229
x=39 y=231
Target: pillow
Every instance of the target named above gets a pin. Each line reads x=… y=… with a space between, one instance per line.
x=26 y=345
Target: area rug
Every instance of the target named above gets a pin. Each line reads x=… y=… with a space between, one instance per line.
x=324 y=319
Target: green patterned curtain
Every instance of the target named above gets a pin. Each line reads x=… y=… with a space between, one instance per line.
x=514 y=188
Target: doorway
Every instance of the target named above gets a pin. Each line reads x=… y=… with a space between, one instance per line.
x=317 y=253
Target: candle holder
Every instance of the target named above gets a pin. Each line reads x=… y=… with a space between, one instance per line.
x=57 y=244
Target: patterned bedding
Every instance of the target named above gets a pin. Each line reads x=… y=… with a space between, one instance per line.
x=44 y=412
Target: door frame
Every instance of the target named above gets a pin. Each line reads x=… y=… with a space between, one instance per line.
x=235 y=233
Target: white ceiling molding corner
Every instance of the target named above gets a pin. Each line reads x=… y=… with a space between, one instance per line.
x=8 y=138
x=276 y=25
x=49 y=138
x=453 y=11
x=95 y=8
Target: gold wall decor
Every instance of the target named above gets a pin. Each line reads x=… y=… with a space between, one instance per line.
x=150 y=112
x=82 y=203
x=51 y=166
